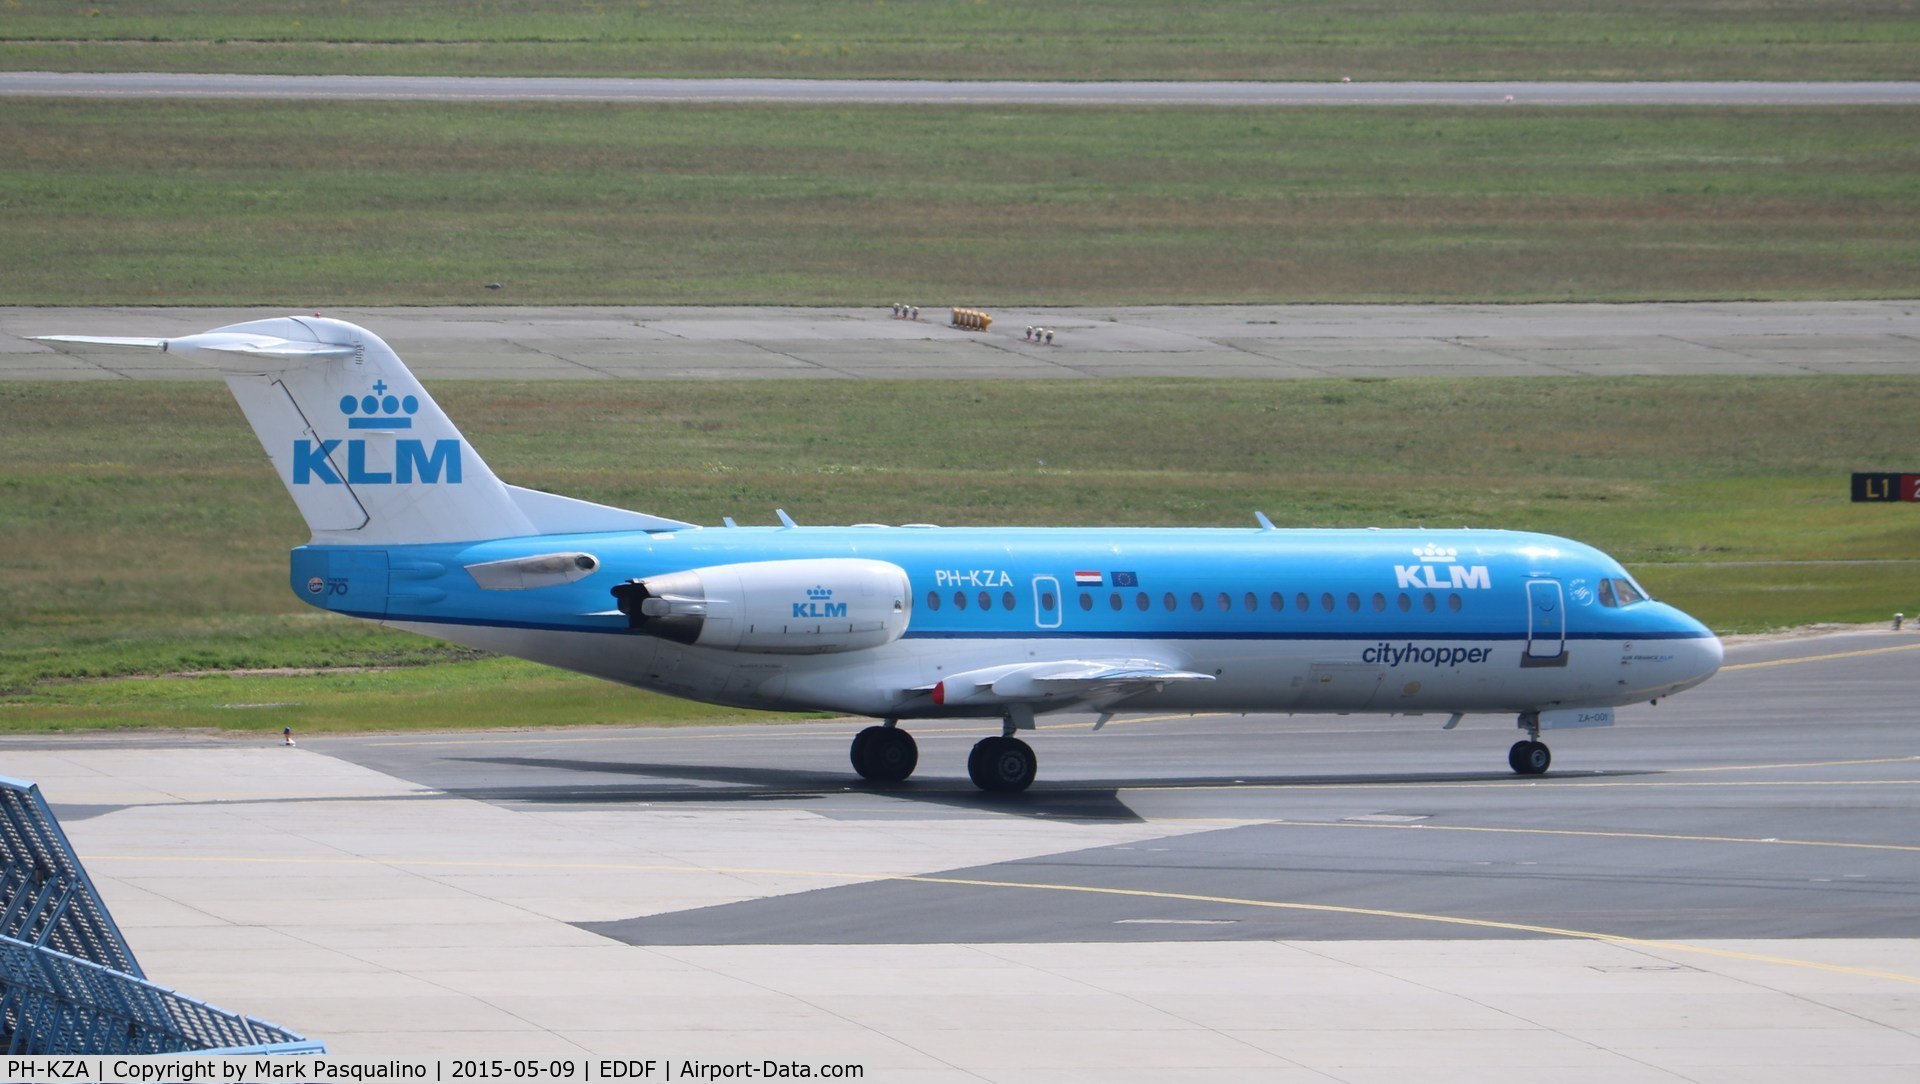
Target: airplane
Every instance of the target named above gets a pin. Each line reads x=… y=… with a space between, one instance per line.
x=410 y=528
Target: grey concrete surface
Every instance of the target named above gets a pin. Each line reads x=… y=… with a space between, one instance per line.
x=939 y=92
x=1271 y=341
x=1723 y=887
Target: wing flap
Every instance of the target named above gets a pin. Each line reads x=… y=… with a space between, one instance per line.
x=1059 y=681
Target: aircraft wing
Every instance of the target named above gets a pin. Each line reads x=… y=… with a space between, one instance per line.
x=1062 y=680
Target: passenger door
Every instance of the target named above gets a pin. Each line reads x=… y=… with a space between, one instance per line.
x=1546 y=624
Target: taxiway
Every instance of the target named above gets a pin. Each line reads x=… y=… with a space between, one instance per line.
x=1724 y=886
x=1260 y=341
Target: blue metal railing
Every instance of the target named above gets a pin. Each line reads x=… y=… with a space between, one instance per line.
x=46 y=897
x=68 y=982
x=53 y=1003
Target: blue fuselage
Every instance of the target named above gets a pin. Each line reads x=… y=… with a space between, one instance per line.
x=1427 y=620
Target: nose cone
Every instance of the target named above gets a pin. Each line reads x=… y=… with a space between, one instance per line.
x=1698 y=656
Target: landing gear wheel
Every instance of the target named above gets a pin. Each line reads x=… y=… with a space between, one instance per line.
x=1529 y=757
x=884 y=754
x=1002 y=765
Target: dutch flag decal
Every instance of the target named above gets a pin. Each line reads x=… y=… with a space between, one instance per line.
x=1086 y=579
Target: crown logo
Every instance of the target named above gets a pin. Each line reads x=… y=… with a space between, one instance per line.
x=1431 y=552
x=379 y=410
x=819 y=594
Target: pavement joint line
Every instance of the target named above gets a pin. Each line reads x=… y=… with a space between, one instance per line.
x=1807 y=764
x=1509 y=781
x=1818 y=658
x=852 y=876
x=1596 y=834
x=942 y=731
x=1452 y=920
x=721 y=791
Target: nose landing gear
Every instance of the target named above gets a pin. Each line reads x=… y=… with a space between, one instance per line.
x=1529 y=756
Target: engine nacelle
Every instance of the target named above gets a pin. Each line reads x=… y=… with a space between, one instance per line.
x=804 y=607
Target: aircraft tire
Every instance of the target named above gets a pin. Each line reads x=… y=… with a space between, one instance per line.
x=857 y=752
x=884 y=754
x=1002 y=765
x=1529 y=758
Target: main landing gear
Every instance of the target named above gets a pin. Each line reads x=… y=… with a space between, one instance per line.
x=1529 y=756
x=884 y=754
x=1002 y=765
x=1005 y=765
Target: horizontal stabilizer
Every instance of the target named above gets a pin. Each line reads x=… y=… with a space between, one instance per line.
x=102 y=340
x=231 y=350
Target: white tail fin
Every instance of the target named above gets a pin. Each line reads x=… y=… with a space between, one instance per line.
x=367 y=454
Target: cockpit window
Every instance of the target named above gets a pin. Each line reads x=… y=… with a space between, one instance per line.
x=1620 y=592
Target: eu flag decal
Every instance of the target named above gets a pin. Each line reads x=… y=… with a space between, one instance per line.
x=1125 y=579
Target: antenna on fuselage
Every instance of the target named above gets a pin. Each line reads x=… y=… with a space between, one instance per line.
x=1265 y=523
x=785 y=520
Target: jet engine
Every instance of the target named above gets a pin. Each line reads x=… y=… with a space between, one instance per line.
x=803 y=607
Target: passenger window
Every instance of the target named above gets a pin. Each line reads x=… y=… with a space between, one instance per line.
x=1113 y=601
x=1406 y=604
x=1086 y=601
x=1353 y=602
x=1426 y=602
x=1278 y=601
x=1197 y=602
x=1379 y=602
x=1006 y=600
x=1453 y=603
x=1225 y=602
x=986 y=601
x=959 y=600
x=1303 y=602
x=933 y=600
x=1170 y=602
x=1251 y=602
x=1326 y=601
x=1141 y=601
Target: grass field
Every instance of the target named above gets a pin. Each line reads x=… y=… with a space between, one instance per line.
x=333 y=203
x=1006 y=39
x=142 y=531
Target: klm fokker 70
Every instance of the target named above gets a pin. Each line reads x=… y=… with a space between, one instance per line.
x=411 y=529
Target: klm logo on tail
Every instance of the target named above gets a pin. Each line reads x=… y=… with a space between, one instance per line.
x=315 y=461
